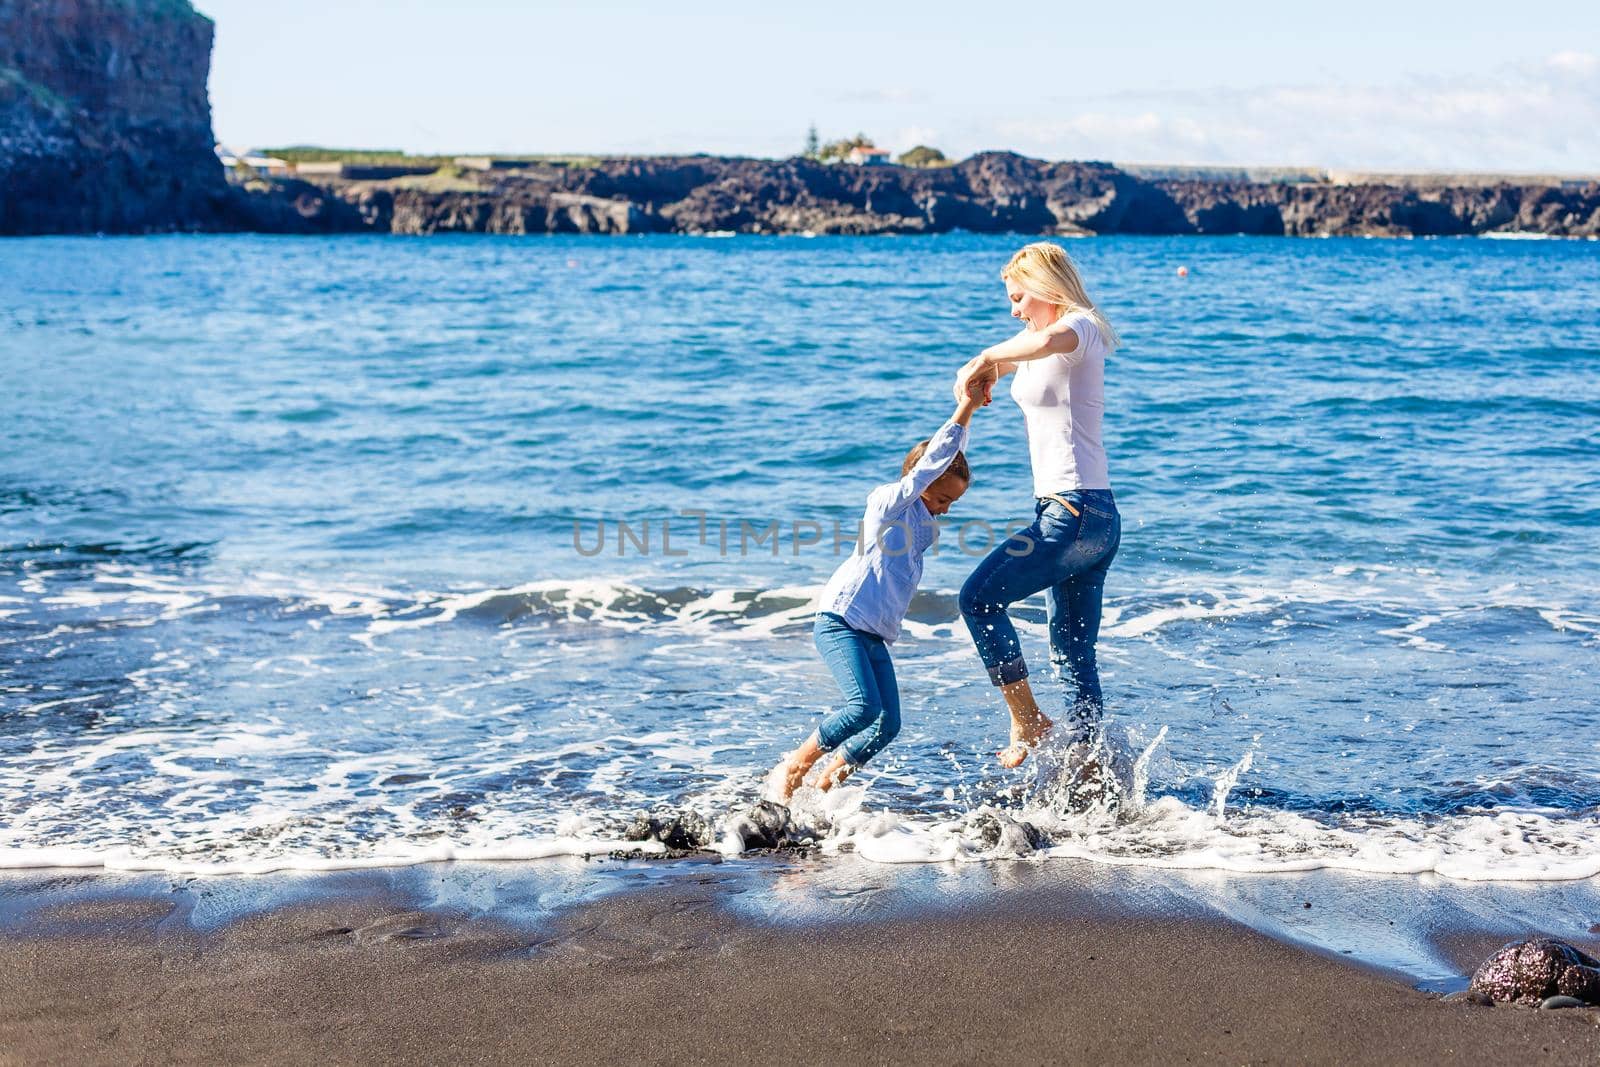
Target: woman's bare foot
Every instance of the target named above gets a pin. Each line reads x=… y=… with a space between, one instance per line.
x=1028 y=723
x=1025 y=735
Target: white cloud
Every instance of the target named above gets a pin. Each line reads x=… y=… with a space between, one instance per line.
x=908 y=137
x=1575 y=62
x=895 y=94
x=1538 y=116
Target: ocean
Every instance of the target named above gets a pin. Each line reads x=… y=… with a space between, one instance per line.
x=374 y=551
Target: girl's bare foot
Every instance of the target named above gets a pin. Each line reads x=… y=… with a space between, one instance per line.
x=776 y=785
x=1024 y=736
x=836 y=772
x=793 y=775
x=790 y=772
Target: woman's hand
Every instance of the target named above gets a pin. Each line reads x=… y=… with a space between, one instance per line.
x=976 y=379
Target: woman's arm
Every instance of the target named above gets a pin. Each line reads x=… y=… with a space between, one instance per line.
x=977 y=379
x=978 y=376
x=1057 y=339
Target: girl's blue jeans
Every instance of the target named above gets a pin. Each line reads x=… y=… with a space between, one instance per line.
x=860 y=663
x=1065 y=556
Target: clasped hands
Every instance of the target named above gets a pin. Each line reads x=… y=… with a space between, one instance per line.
x=975 y=381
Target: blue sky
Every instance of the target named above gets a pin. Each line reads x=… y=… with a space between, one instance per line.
x=1463 y=86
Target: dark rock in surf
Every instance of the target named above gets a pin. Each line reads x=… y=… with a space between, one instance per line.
x=1532 y=971
x=996 y=832
x=642 y=828
x=986 y=828
x=769 y=825
x=657 y=855
x=686 y=831
x=766 y=825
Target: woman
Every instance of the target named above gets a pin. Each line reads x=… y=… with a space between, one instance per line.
x=1058 y=363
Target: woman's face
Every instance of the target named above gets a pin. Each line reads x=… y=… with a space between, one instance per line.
x=1036 y=313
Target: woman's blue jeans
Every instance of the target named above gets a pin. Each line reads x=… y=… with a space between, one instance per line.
x=870 y=716
x=1066 y=556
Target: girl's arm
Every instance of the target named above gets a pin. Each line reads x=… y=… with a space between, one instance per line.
x=888 y=500
x=965 y=407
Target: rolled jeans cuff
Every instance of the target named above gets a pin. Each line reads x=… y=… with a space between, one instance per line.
x=852 y=759
x=1012 y=670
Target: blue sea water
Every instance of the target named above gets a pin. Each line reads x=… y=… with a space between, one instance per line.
x=373 y=550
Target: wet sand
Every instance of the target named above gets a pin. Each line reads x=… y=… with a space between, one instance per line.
x=669 y=973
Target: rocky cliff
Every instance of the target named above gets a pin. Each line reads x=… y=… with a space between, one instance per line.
x=1312 y=210
x=104 y=121
x=988 y=193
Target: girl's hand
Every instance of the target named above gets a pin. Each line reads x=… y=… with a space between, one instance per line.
x=976 y=379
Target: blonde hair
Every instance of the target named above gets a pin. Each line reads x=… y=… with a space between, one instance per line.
x=1043 y=269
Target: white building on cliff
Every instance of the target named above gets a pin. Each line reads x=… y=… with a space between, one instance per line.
x=868 y=155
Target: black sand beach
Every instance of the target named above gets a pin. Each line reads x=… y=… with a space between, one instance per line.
x=674 y=965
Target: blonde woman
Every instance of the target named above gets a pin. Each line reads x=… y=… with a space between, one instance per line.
x=1058 y=366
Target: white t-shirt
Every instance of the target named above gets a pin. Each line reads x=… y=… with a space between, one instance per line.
x=1063 y=398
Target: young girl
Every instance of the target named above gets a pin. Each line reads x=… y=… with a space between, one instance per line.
x=859 y=612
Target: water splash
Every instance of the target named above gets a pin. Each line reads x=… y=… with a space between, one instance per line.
x=1225 y=783
x=1141 y=770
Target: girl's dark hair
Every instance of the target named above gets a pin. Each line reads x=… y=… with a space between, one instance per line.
x=958 y=466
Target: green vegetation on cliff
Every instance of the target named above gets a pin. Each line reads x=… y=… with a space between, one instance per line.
x=372 y=157
x=394 y=157
x=924 y=156
x=161 y=9
x=12 y=81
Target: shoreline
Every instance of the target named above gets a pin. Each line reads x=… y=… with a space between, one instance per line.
x=1509 y=237
x=989 y=192
x=761 y=960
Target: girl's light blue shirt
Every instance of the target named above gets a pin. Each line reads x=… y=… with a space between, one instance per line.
x=871 y=590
